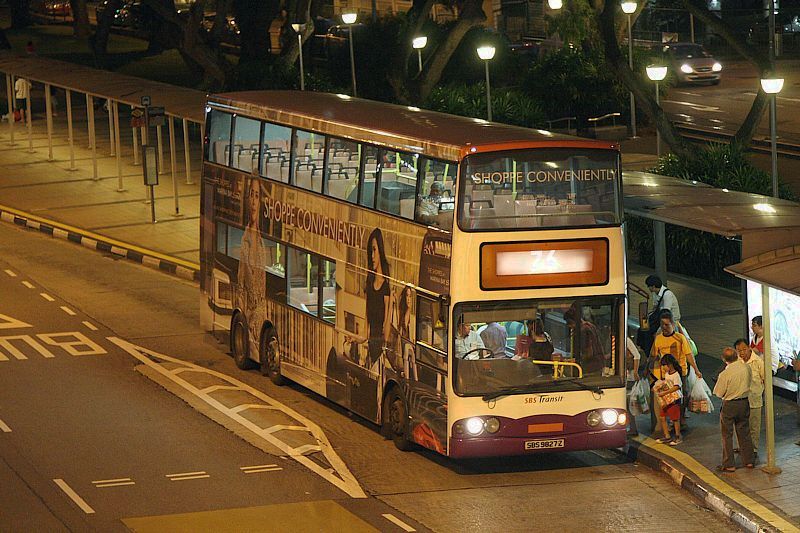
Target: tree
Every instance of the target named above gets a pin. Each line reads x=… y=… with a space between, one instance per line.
x=20 y=13
x=99 y=40
x=80 y=18
x=414 y=88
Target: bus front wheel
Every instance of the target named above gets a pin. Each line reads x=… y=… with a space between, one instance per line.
x=271 y=357
x=240 y=346
x=395 y=420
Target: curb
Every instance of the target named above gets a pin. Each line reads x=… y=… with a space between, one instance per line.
x=720 y=503
x=181 y=269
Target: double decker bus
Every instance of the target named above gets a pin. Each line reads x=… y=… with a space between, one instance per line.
x=460 y=283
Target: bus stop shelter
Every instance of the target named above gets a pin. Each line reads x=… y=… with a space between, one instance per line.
x=769 y=229
x=179 y=104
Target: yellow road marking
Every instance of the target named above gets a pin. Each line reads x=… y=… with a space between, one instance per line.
x=47 y=297
x=709 y=478
x=97 y=236
x=28 y=284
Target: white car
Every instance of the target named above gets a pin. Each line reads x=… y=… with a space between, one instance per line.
x=692 y=64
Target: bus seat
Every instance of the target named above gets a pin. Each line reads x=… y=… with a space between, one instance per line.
x=302 y=177
x=274 y=168
x=316 y=179
x=482 y=194
x=583 y=220
x=504 y=205
x=527 y=207
x=407 y=208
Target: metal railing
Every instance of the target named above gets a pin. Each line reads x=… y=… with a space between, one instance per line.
x=569 y=121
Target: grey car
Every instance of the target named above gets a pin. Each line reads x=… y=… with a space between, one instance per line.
x=692 y=64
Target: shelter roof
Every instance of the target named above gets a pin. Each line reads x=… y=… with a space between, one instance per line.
x=777 y=268
x=179 y=102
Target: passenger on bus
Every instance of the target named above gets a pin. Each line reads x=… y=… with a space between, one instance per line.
x=428 y=206
x=541 y=349
x=590 y=352
x=467 y=340
x=494 y=337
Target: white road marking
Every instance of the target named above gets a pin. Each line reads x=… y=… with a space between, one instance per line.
x=67 y=310
x=47 y=297
x=246 y=406
x=28 y=284
x=399 y=523
x=111 y=480
x=259 y=469
x=107 y=483
x=341 y=478
x=215 y=388
x=80 y=502
x=11 y=273
x=89 y=325
x=187 y=475
x=4 y=427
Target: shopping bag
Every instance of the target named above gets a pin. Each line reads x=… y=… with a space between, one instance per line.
x=700 y=398
x=639 y=398
x=691 y=379
x=666 y=399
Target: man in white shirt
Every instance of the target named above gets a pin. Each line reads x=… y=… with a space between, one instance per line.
x=494 y=338
x=756 y=396
x=733 y=386
x=468 y=340
x=664 y=298
x=22 y=91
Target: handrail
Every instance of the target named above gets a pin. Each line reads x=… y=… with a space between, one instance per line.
x=557 y=364
x=568 y=119
x=612 y=116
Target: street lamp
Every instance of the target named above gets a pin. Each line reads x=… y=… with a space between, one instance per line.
x=657 y=73
x=419 y=43
x=772 y=86
x=555 y=4
x=350 y=19
x=629 y=7
x=299 y=29
x=487 y=53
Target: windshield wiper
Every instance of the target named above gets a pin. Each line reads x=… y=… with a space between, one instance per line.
x=533 y=387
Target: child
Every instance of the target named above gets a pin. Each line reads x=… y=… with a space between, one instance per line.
x=669 y=399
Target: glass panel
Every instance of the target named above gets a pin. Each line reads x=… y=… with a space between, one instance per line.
x=341 y=170
x=431 y=330
x=234 y=241
x=275 y=161
x=222 y=237
x=302 y=271
x=309 y=152
x=328 y=290
x=530 y=189
x=537 y=343
x=276 y=258
x=369 y=176
x=398 y=184
x=219 y=137
x=246 y=132
x=436 y=204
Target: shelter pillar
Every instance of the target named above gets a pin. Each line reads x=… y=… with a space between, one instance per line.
x=111 y=136
x=70 y=135
x=115 y=108
x=660 y=252
x=186 y=152
x=10 y=99
x=172 y=157
x=28 y=117
x=48 y=111
x=92 y=138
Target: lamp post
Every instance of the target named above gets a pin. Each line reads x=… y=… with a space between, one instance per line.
x=772 y=86
x=555 y=4
x=350 y=19
x=657 y=73
x=629 y=7
x=299 y=29
x=419 y=43
x=487 y=53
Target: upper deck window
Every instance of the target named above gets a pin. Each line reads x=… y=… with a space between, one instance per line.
x=219 y=137
x=532 y=189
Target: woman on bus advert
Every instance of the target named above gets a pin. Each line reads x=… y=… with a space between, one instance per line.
x=252 y=263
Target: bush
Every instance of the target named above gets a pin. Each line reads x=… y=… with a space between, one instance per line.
x=695 y=253
x=508 y=105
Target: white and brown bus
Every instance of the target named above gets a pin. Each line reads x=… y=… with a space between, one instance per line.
x=459 y=282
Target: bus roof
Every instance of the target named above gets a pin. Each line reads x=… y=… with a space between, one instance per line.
x=439 y=135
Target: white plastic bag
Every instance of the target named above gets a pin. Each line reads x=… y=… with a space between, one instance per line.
x=691 y=380
x=700 y=398
x=638 y=401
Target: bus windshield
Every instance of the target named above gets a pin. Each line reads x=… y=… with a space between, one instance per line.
x=537 y=345
x=531 y=189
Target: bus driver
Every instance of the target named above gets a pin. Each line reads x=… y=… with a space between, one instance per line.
x=467 y=340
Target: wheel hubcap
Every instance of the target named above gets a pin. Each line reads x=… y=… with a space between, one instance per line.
x=273 y=361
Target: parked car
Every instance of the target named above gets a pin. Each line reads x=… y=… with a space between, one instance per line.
x=692 y=64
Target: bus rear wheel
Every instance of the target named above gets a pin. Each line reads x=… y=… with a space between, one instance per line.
x=271 y=357
x=240 y=346
x=395 y=420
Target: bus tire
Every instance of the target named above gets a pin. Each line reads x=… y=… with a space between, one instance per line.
x=240 y=345
x=395 y=420
x=271 y=356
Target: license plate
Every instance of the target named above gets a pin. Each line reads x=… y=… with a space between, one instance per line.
x=544 y=444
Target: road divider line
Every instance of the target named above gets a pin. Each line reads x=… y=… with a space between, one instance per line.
x=120 y=484
x=111 y=480
x=47 y=297
x=28 y=284
x=4 y=427
x=80 y=502
x=186 y=474
x=186 y=478
x=399 y=523
x=246 y=406
x=89 y=325
x=67 y=310
x=260 y=470
x=256 y=466
x=342 y=478
x=11 y=273
x=215 y=388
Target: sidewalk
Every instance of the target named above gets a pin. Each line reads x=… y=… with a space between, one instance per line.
x=48 y=196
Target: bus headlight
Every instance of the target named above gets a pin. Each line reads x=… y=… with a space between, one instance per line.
x=492 y=425
x=474 y=426
x=686 y=69
x=593 y=418
x=609 y=417
x=716 y=67
x=622 y=419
